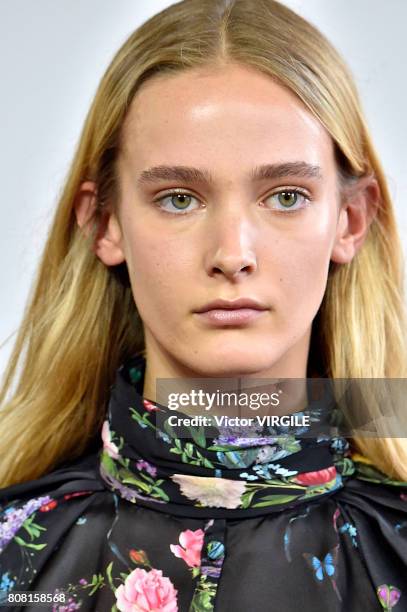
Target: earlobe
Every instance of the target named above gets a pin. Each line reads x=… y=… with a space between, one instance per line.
x=108 y=240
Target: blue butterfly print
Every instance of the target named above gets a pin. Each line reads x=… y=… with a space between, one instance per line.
x=321 y=567
x=325 y=567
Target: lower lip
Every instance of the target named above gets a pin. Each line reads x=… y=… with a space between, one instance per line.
x=239 y=316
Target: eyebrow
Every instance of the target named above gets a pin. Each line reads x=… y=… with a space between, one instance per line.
x=266 y=171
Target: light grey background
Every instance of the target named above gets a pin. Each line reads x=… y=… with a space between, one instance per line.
x=52 y=56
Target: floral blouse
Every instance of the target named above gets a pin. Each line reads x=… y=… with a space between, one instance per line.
x=150 y=521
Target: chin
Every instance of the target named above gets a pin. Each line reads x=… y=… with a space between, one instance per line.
x=230 y=363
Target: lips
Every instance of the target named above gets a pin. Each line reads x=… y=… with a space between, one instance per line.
x=241 y=303
x=231 y=313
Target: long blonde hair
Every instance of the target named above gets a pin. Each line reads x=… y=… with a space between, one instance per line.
x=81 y=321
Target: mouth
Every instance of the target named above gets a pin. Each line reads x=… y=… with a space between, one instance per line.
x=231 y=312
x=229 y=317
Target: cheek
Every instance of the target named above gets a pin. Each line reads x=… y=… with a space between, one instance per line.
x=300 y=264
x=158 y=269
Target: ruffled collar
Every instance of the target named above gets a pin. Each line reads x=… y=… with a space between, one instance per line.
x=225 y=476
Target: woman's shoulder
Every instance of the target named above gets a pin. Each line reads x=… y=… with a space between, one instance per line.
x=81 y=471
x=20 y=503
x=368 y=485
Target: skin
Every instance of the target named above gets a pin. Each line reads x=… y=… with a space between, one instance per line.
x=232 y=242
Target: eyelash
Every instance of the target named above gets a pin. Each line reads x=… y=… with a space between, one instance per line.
x=291 y=190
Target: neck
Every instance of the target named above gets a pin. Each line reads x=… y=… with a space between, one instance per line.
x=286 y=377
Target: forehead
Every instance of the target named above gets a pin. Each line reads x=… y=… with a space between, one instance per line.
x=235 y=112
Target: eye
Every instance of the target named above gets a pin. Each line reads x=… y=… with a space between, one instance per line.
x=287 y=200
x=178 y=202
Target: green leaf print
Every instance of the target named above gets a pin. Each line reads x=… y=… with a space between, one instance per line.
x=98 y=581
x=202 y=600
x=195 y=571
x=109 y=576
x=234 y=459
x=247 y=498
x=141 y=420
x=345 y=466
x=136 y=481
x=198 y=435
x=271 y=500
x=156 y=491
x=373 y=474
x=28 y=545
x=190 y=454
x=289 y=444
x=109 y=464
x=32 y=528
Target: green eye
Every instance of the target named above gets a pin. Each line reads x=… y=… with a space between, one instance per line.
x=177 y=203
x=287 y=198
x=183 y=201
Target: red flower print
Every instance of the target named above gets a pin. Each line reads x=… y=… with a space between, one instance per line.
x=138 y=556
x=150 y=406
x=316 y=478
x=76 y=494
x=49 y=506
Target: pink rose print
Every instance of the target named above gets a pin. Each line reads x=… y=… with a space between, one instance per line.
x=191 y=546
x=109 y=446
x=146 y=592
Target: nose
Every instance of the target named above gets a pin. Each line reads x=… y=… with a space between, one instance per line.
x=231 y=253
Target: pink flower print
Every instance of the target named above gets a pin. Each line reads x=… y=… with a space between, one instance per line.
x=150 y=406
x=146 y=592
x=388 y=595
x=191 y=546
x=145 y=465
x=109 y=446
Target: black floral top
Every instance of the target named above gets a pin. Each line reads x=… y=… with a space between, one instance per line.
x=150 y=521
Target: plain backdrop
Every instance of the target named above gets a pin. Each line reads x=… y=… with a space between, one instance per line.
x=52 y=56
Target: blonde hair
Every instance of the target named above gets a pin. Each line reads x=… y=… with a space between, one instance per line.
x=81 y=321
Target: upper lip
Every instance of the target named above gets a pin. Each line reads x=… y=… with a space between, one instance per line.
x=233 y=304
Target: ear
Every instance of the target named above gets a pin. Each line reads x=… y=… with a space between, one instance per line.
x=357 y=211
x=108 y=240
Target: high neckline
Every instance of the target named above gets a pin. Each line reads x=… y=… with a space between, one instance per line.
x=225 y=476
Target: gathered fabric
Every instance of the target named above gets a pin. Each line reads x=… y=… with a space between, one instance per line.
x=237 y=472
x=224 y=518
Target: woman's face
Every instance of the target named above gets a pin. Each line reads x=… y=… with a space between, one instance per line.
x=258 y=219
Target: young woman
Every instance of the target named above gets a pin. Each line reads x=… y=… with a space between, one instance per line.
x=225 y=216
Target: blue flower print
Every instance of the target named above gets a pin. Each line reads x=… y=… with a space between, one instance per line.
x=163 y=436
x=6 y=583
x=339 y=445
x=264 y=470
x=248 y=476
x=351 y=529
